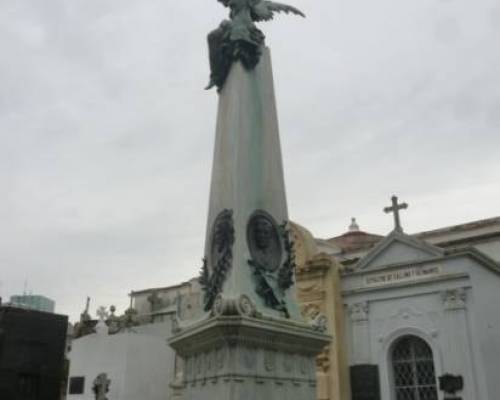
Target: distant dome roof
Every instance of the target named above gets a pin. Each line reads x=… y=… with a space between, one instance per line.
x=355 y=239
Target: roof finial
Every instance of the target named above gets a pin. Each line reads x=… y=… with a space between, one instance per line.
x=354 y=227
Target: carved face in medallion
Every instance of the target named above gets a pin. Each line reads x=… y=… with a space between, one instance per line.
x=262 y=232
x=264 y=241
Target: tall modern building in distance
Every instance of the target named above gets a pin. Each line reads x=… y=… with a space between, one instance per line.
x=33 y=302
x=32 y=345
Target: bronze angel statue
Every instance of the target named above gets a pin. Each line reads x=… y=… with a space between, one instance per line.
x=239 y=38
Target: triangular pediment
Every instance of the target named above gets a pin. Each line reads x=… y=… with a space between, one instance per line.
x=398 y=248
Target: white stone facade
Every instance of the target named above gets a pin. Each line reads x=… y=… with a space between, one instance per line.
x=138 y=363
x=406 y=288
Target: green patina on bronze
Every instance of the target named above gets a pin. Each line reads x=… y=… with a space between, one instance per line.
x=215 y=270
x=272 y=274
x=239 y=39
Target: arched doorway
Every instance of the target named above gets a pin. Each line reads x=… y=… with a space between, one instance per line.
x=413 y=370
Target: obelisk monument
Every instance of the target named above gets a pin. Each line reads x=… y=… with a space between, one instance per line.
x=251 y=342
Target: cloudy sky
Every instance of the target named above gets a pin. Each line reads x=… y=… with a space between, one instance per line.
x=106 y=135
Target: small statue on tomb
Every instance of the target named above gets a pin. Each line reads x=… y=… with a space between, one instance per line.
x=102 y=313
x=156 y=302
x=129 y=318
x=86 y=325
x=113 y=321
x=85 y=316
x=100 y=386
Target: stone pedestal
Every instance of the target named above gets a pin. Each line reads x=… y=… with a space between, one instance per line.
x=241 y=358
x=251 y=342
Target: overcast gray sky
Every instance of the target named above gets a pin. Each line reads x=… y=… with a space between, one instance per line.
x=106 y=133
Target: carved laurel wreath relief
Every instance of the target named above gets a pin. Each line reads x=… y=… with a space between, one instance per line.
x=215 y=269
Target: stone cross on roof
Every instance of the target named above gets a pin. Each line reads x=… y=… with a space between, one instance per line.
x=395 y=210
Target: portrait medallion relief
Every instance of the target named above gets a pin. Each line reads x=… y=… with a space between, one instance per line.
x=272 y=259
x=264 y=241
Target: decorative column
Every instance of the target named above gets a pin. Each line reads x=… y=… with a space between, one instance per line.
x=365 y=381
x=457 y=356
x=319 y=296
x=360 y=333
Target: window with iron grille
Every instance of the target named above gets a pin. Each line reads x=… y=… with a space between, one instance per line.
x=413 y=370
x=76 y=385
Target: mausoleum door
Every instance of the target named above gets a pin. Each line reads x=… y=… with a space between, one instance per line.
x=413 y=370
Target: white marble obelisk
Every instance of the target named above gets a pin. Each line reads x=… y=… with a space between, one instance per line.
x=247 y=172
x=252 y=343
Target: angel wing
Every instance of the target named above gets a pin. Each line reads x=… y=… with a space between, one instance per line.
x=263 y=10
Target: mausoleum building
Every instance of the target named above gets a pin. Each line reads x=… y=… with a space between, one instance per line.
x=422 y=307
